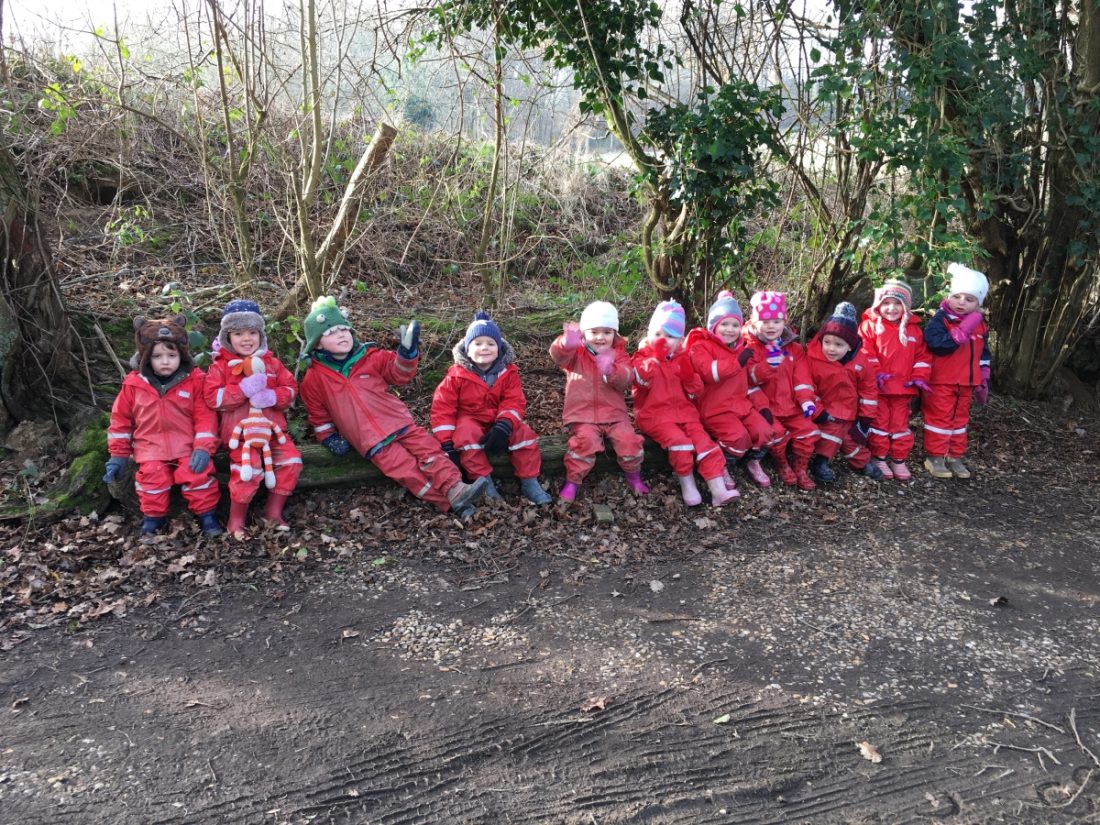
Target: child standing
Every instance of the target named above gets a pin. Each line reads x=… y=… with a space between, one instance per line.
x=479 y=408
x=345 y=390
x=160 y=418
x=788 y=390
x=597 y=373
x=892 y=336
x=844 y=376
x=664 y=381
x=723 y=361
x=233 y=388
x=956 y=336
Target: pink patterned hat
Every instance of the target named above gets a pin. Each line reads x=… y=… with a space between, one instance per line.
x=769 y=305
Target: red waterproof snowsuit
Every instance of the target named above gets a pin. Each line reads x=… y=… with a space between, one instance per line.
x=664 y=412
x=786 y=388
x=468 y=402
x=223 y=393
x=724 y=405
x=846 y=390
x=904 y=361
x=595 y=409
x=160 y=428
x=956 y=370
x=352 y=399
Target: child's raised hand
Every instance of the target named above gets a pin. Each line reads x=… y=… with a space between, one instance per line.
x=571 y=335
x=660 y=349
x=409 y=336
x=605 y=363
x=252 y=384
x=808 y=409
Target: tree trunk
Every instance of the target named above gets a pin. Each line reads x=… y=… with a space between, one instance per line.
x=42 y=375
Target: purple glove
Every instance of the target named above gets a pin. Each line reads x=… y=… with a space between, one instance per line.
x=961 y=332
x=605 y=363
x=981 y=392
x=252 y=384
x=882 y=378
x=571 y=335
x=263 y=398
x=808 y=409
x=775 y=355
x=920 y=385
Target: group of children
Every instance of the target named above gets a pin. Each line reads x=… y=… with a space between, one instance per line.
x=717 y=397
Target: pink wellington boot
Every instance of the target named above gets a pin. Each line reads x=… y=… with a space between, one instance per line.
x=756 y=472
x=635 y=483
x=900 y=471
x=720 y=493
x=689 y=491
x=568 y=491
x=728 y=479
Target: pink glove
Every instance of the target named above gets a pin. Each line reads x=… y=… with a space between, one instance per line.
x=981 y=392
x=882 y=378
x=264 y=398
x=961 y=332
x=605 y=363
x=252 y=384
x=571 y=335
x=920 y=385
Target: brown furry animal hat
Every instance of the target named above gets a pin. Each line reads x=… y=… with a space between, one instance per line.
x=148 y=332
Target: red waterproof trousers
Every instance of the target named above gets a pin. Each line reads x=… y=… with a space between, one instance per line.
x=585 y=440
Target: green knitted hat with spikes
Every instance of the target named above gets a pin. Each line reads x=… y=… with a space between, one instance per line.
x=324 y=316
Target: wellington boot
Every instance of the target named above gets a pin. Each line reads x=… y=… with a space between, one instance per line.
x=208 y=523
x=801 y=474
x=151 y=524
x=720 y=493
x=273 y=512
x=957 y=468
x=568 y=491
x=689 y=491
x=937 y=466
x=635 y=483
x=786 y=474
x=756 y=473
x=238 y=512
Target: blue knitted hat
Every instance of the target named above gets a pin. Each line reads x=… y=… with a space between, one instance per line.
x=482 y=326
x=724 y=306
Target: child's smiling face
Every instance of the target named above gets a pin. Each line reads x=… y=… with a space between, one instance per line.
x=164 y=360
x=834 y=347
x=771 y=329
x=244 y=342
x=891 y=309
x=483 y=351
x=599 y=339
x=728 y=329
x=962 y=303
x=337 y=341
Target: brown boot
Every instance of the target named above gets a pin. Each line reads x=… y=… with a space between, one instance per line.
x=801 y=473
x=273 y=511
x=238 y=513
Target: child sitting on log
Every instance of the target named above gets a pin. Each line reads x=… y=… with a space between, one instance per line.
x=597 y=374
x=346 y=394
x=479 y=408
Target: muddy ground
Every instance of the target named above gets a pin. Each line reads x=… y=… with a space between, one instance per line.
x=874 y=653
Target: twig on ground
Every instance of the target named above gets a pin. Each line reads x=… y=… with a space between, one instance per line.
x=707 y=663
x=824 y=630
x=1039 y=751
x=1026 y=716
x=1077 y=793
x=1077 y=736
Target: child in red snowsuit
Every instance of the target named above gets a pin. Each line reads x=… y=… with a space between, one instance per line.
x=346 y=394
x=847 y=400
x=956 y=337
x=597 y=373
x=788 y=391
x=892 y=336
x=479 y=408
x=723 y=362
x=160 y=418
x=664 y=381
x=233 y=389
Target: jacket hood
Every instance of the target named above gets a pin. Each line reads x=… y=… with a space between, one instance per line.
x=505 y=357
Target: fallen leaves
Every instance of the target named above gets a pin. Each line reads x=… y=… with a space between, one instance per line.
x=594 y=703
x=869 y=752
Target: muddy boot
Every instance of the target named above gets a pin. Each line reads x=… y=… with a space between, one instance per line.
x=491 y=490
x=820 y=469
x=872 y=471
x=720 y=493
x=802 y=477
x=957 y=468
x=273 y=512
x=755 y=471
x=151 y=524
x=533 y=492
x=208 y=523
x=937 y=466
x=689 y=491
x=883 y=467
x=786 y=474
x=900 y=470
x=238 y=512
x=635 y=483
x=463 y=496
x=569 y=491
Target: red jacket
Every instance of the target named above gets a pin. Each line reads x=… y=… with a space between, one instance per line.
x=660 y=395
x=354 y=401
x=846 y=388
x=909 y=361
x=155 y=426
x=787 y=386
x=591 y=398
x=223 y=391
x=952 y=363
x=465 y=391
x=725 y=381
